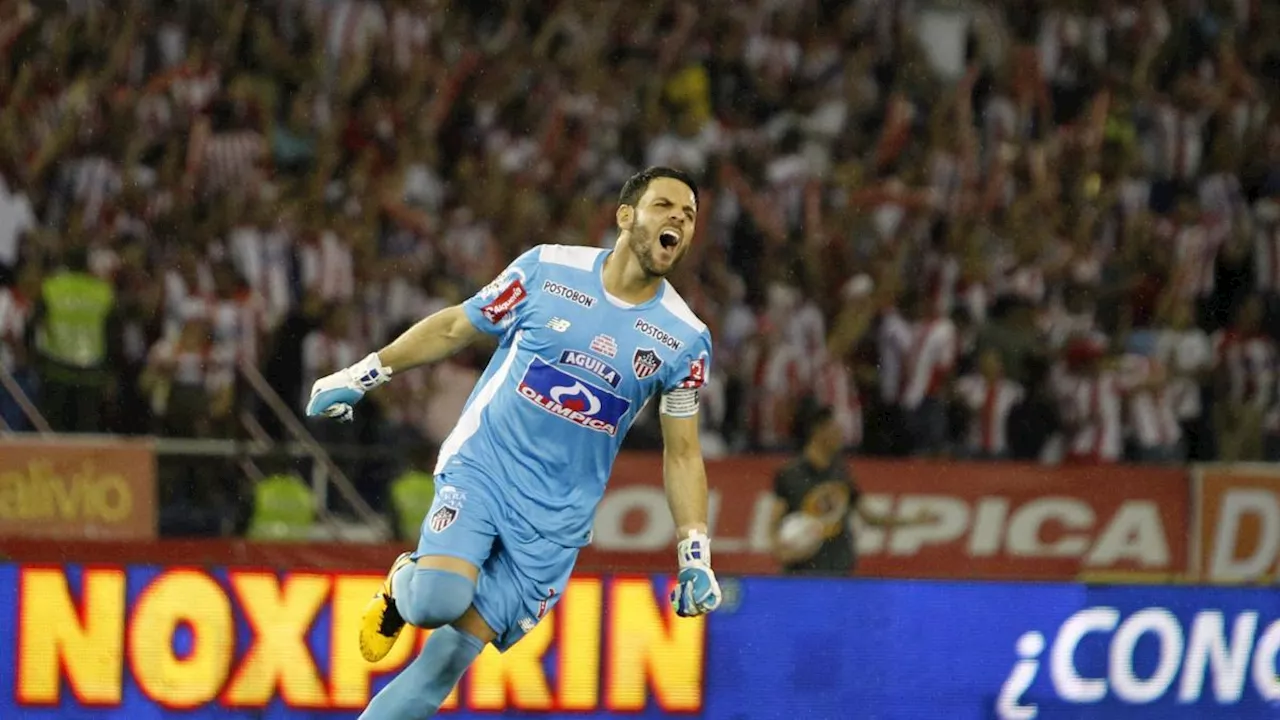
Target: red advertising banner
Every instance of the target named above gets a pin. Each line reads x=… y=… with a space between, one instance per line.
x=995 y=521
x=1236 y=536
x=91 y=489
x=986 y=521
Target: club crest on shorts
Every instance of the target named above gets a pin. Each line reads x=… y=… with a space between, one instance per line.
x=645 y=362
x=449 y=500
x=442 y=518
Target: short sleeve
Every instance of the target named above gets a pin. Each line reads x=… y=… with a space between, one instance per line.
x=686 y=379
x=498 y=306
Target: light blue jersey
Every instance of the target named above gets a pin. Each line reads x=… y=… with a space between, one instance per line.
x=573 y=369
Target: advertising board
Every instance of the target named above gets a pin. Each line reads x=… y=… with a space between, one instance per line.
x=132 y=642
x=987 y=520
x=95 y=489
x=1236 y=535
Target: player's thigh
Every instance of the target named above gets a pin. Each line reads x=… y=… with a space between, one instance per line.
x=520 y=583
x=474 y=624
x=459 y=531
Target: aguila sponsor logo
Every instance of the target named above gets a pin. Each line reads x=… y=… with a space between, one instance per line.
x=573 y=295
x=505 y=302
x=593 y=365
x=658 y=334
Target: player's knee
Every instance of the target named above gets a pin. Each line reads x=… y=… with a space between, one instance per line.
x=439 y=597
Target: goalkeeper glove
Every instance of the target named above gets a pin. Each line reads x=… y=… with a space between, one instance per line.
x=335 y=395
x=696 y=592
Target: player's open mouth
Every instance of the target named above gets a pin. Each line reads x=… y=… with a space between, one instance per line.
x=669 y=238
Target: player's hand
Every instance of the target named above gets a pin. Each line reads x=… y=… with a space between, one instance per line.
x=335 y=395
x=696 y=592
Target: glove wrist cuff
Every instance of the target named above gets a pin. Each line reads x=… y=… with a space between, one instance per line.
x=369 y=373
x=694 y=550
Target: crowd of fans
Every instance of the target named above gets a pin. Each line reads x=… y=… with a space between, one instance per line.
x=1067 y=247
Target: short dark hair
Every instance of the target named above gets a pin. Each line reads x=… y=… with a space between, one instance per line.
x=635 y=186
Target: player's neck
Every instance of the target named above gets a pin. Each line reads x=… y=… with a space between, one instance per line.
x=624 y=279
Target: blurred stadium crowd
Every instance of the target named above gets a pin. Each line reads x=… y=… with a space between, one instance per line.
x=1067 y=248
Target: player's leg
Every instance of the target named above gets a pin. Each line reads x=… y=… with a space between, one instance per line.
x=433 y=586
x=522 y=581
x=418 y=691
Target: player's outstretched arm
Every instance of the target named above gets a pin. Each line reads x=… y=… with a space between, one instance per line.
x=433 y=338
x=685 y=478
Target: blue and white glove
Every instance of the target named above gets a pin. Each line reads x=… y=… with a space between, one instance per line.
x=696 y=592
x=335 y=395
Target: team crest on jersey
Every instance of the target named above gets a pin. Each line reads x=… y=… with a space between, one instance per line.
x=593 y=365
x=568 y=398
x=645 y=362
x=604 y=345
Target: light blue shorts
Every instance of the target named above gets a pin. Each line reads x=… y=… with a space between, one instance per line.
x=522 y=574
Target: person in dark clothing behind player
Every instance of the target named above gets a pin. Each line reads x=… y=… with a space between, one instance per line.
x=817 y=482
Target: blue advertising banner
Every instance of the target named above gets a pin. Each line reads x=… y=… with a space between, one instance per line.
x=142 y=642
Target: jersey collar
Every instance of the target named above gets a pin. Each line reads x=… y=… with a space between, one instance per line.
x=616 y=302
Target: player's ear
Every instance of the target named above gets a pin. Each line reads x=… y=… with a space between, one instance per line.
x=625 y=216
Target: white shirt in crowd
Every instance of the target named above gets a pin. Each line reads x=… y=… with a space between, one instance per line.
x=1152 y=411
x=893 y=344
x=989 y=402
x=1249 y=363
x=1185 y=354
x=15 y=313
x=326 y=267
x=263 y=260
x=833 y=386
x=16 y=218
x=929 y=361
x=1266 y=247
x=1093 y=407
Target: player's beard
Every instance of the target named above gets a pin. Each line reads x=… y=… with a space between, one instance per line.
x=647 y=248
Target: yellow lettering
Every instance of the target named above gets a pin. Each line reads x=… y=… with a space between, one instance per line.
x=43 y=494
x=280 y=616
x=114 y=502
x=654 y=647
x=55 y=635
x=176 y=598
x=9 y=494
x=65 y=499
x=350 y=677
x=518 y=670
x=578 y=663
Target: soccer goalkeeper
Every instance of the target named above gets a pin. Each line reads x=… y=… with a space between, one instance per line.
x=587 y=337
